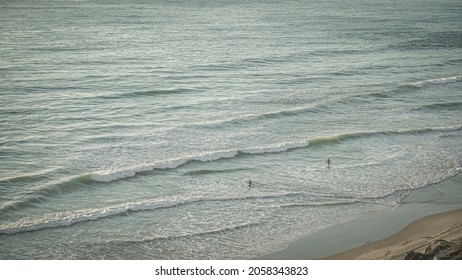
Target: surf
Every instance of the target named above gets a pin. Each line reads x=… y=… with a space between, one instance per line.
x=38 y=194
x=437 y=81
x=110 y=175
x=71 y=217
x=29 y=197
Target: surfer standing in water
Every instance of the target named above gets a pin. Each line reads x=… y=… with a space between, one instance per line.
x=328 y=162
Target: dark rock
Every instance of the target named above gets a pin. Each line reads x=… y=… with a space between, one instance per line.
x=415 y=256
x=438 y=247
x=438 y=250
x=452 y=253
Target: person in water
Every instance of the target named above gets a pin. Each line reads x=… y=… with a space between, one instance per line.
x=250 y=184
x=328 y=162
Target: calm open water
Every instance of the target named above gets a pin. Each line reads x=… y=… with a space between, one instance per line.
x=130 y=129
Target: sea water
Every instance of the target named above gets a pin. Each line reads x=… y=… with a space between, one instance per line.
x=132 y=129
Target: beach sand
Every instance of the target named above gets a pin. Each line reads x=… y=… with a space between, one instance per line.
x=425 y=215
x=414 y=237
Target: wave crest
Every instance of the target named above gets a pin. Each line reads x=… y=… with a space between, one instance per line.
x=68 y=218
x=438 y=81
x=112 y=175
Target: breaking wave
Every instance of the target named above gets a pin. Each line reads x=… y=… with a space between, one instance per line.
x=112 y=175
x=108 y=176
x=41 y=192
x=438 y=81
x=68 y=218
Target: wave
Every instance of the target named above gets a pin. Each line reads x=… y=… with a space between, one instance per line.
x=212 y=171
x=393 y=199
x=438 y=81
x=403 y=89
x=315 y=108
x=456 y=105
x=185 y=236
x=69 y=218
x=41 y=192
x=155 y=92
x=332 y=139
x=322 y=203
x=277 y=148
x=32 y=176
x=112 y=175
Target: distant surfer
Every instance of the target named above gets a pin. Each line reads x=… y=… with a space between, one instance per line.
x=328 y=162
x=250 y=183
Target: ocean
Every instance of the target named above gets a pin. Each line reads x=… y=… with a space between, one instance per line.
x=201 y=129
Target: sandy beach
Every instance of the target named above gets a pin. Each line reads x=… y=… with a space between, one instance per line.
x=426 y=215
x=415 y=237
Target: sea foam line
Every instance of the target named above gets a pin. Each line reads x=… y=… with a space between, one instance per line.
x=112 y=175
x=69 y=218
x=439 y=81
x=37 y=194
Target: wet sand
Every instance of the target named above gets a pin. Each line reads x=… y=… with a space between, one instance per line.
x=425 y=215
x=414 y=237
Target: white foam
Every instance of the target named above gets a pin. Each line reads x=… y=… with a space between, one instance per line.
x=109 y=175
x=112 y=175
x=215 y=156
x=277 y=148
x=68 y=218
x=438 y=81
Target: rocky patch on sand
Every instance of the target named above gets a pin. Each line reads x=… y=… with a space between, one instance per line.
x=438 y=250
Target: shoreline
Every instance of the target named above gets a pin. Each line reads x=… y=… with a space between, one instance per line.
x=427 y=214
x=416 y=236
